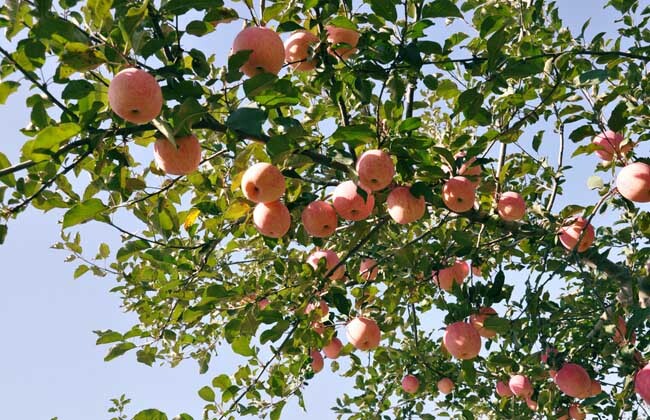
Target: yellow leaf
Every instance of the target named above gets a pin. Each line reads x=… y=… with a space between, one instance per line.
x=236 y=210
x=191 y=218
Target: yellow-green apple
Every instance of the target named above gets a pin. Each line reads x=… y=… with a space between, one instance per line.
x=511 y=206
x=363 y=333
x=317 y=362
x=445 y=385
x=267 y=50
x=478 y=320
x=180 y=160
x=263 y=183
x=369 y=269
x=135 y=95
x=297 y=50
x=331 y=260
x=410 y=384
x=336 y=37
x=570 y=234
x=609 y=146
x=319 y=219
x=404 y=207
x=349 y=204
x=520 y=386
x=633 y=182
x=458 y=194
x=462 y=340
x=375 y=169
x=503 y=389
x=333 y=349
x=573 y=380
x=272 y=219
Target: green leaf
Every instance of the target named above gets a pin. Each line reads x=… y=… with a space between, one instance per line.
x=77 y=89
x=247 y=121
x=48 y=140
x=83 y=212
x=595 y=182
x=360 y=134
x=151 y=414
x=207 y=394
x=118 y=350
x=3 y=233
x=441 y=8
x=410 y=124
x=277 y=410
x=6 y=89
x=236 y=210
x=80 y=271
x=241 y=345
x=619 y=118
x=108 y=336
x=385 y=9
x=593 y=76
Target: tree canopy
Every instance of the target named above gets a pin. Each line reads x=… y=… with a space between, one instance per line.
x=457 y=129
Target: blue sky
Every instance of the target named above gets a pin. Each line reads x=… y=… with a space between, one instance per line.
x=49 y=364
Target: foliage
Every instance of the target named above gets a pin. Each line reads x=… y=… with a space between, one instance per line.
x=193 y=267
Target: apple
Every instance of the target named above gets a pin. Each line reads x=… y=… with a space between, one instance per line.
x=511 y=206
x=135 y=95
x=183 y=159
x=363 y=333
x=297 y=50
x=331 y=260
x=446 y=277
x=375 y=169
x=575 y=412
x=263 y=183
x=609 y=146
x=642 y=383
x=595 y=388
x=319 y=219
x=620 y=334
x=570 y=234
x=633 y=182
x=404 y=207
x=469 y=169
x=458 y=194
x=573 y=380
x=532 y=405
x=503 y=389
x=321 y=306
x=369 y=269
x=272 y=219
x=317 y=362
x=333 y=349
x=349 y=204
x=267 y=50
x=317 y=327
x=410 y=384
x=520 y=386
x=263 y=303
x=336 y=36
x=462 y=340
x=477 y=321
x=445 y=385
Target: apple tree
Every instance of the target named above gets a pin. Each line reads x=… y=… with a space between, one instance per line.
x=445 y=201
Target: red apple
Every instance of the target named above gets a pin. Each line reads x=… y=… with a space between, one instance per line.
x=511 y=206
x=573 y=380
x=363 y=333
x=633 y=182
x=336 y=36
x=267 y=50
x=263 y=183
x=477 y=321
x=349 y=204
x=520 y=386
x=445 y=385
x=459 y=194
x=319 y=219
x=575 y=412
x=369 y=269
x=570 y=234
x=404 y=207
x=503 y=390
x=331 y=261
x=272 y=219
x=609 y=146
x=595 y=388
x=333 y=349
x=297 y=50
x=410 y=384
x=180 y=160
x=532 y=405
x=317 y=362
x=321 y=306
x=462 y=340
x=375 y=169
x=135 y=95
x=642 y=383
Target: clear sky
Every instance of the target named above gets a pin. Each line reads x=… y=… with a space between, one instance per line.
x=49 y=364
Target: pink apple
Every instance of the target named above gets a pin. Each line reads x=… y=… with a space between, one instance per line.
x=633 y=182
x=609 y=146
x=336 y=36
x=333 y=349
x=459 y=194
x=642 y=383
x=349 y=204
x=331 y=260
x=478 y=320
x=272 y=219
x=180 y=160
x=520 y=386
x=575 y=412
x=511 y=206
x=267 y=50
x=446 y=277
x=363 y=333
x=445 y=386
x=263 y=183
x=317 y=362
x=573 y=380
x=375 y=169
x=570 y=234
x=410 y=384
x=319 y=219
x=404 y=207
x=462 y=340
x=503 y=390
x=297 y=50
x=369 y=269
x=135 y=95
